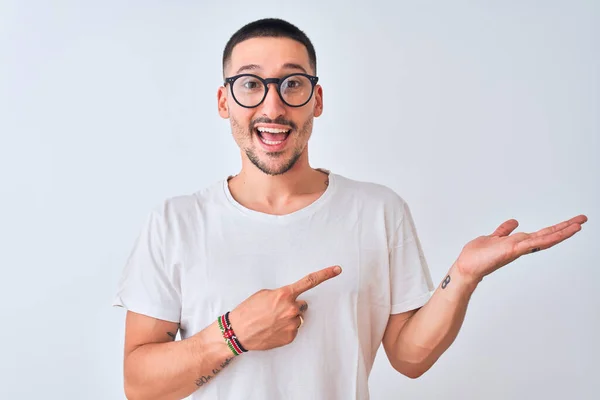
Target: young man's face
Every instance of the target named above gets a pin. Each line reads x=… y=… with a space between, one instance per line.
x=257 y=130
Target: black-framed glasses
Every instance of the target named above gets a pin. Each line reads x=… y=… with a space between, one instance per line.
x=250 y=90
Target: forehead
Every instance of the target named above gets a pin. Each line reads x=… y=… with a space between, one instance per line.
x=270 y=54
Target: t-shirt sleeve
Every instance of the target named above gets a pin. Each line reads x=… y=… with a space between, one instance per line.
x=148 y=285
x=410 y=278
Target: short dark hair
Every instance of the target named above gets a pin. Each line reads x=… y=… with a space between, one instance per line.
x=270 y=27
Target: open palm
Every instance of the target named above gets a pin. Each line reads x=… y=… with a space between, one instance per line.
x=486 y=254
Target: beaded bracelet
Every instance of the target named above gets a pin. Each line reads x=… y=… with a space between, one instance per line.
x=237 y=342
x=229 y=335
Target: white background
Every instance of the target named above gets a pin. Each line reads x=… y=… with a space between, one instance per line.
x=475 y=112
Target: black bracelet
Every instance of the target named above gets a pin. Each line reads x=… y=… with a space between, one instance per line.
x=234 y=338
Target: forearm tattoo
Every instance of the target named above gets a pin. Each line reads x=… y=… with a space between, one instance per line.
x=536 y=249
x=446 y=282
x=174 y=335
x=205 y=379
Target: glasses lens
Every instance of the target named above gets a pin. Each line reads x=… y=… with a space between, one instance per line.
x=248 y=91
x=296 y=90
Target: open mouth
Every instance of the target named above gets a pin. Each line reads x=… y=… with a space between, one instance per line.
x=272 y=136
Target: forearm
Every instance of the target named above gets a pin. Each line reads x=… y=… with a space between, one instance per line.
x=434 y=327
x=174 y=370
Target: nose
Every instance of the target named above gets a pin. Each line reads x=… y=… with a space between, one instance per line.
x=272 y=107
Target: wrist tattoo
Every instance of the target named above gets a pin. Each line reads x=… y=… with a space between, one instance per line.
x=446 y=282
x=226 y=363
x=205 y=379
x=536 y=249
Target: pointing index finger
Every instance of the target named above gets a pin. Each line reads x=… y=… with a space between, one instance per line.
x=313 y=279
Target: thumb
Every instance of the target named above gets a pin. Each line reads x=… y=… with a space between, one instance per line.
x=506 y=228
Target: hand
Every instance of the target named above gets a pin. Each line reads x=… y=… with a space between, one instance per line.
x=270 y=318
x=486 y=254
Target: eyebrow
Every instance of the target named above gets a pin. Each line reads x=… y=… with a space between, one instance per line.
x=294 y=66
x=249 y=67
x=253 y=67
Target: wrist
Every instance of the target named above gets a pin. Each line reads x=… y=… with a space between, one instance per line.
x=229 y=335
x=464 y=281
x=210 y=340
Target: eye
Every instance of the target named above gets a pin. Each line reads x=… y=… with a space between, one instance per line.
x=296 y=83
x=249 y=84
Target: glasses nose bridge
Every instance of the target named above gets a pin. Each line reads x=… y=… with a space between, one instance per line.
x=268 y=81
x=276 y=82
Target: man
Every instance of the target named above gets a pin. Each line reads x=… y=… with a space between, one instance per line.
x=284 y=280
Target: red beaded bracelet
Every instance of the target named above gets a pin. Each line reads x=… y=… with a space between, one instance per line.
x=229 y=335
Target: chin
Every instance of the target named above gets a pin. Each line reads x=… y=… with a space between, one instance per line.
x=273 y=163
x=275 y=169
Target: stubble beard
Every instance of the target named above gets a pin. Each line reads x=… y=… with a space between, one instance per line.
x=251 y=152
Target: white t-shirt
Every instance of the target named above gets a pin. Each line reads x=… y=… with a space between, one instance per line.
x=200 y=255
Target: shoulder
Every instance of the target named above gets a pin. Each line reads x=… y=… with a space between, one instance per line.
x=184 y=208
x=371 y=193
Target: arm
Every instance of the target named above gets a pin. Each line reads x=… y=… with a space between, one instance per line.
x=415 y=340
x=158 y=367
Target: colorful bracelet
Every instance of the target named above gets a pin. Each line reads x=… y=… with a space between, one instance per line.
x=229 y=335
x=237 y=342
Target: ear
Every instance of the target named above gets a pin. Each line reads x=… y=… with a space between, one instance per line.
x=222 y=102
x=318 y=100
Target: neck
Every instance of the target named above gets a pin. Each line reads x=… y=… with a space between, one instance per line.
x=252 y=186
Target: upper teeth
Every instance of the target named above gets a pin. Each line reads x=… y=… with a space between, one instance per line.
x=272 y=130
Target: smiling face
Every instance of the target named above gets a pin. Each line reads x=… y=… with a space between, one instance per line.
x=272 y=136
